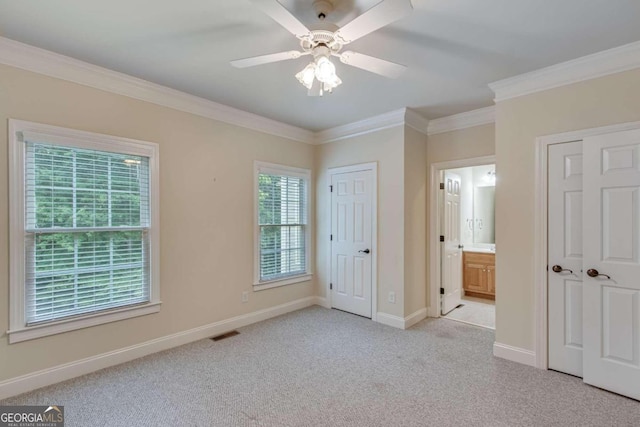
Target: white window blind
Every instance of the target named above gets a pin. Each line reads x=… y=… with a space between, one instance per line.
x=282 y=221
x=87 y=231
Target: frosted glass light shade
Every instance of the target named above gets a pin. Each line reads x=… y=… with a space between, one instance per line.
x=322 y=72
x=307 y=75
x=332 y=84
x=325 y=70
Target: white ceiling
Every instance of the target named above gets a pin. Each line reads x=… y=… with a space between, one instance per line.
x=453 y=49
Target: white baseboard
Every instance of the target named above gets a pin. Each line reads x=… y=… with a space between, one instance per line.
x=390 y=320
x=399 y=322
x=414 y=318
x=515 y=354
x=322 y=302
x=45 y=377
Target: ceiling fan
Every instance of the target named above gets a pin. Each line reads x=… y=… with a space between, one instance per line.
x=320 y=75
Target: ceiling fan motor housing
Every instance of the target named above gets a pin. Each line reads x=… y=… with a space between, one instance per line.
x=321 y=50
x=320 y=38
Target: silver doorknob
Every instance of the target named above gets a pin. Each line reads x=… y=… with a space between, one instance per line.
x=366 y=251
x=592 y=272
x=559 y=269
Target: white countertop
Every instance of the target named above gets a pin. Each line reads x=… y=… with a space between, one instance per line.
x=482 y=250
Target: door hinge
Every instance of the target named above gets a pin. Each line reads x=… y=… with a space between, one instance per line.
x=330 y=286
x=331 y=237
x=442 y=185
x=442 y=238
x=331 y=188
x=441 y=291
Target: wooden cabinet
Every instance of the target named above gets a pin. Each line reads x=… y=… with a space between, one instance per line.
x=479 y=274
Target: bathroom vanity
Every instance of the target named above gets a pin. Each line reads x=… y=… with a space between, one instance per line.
x=479 y=274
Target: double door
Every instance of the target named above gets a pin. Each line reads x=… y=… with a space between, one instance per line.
x=594 y=260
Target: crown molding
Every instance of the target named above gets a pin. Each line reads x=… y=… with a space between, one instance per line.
x=52 y=64
x=416 y=121
x=400 y=117
x=59 y=66
x=611 y=61
x=482 y=116
x=362 y=127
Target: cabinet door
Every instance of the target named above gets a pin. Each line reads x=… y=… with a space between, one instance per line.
x=491 y=279
x=475 y=277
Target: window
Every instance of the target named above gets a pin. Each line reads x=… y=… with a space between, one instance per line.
x=282 y=230
x=83 y=230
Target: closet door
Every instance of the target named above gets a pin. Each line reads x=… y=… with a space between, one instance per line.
x=611 y=237
x=565 y=257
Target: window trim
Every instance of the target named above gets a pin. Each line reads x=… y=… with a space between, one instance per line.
x=18 y=331
x=276 y=169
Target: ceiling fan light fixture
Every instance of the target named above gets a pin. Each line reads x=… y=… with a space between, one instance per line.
x=332 y=84
x=321 y=75
x=307 y=75
x=325 y=70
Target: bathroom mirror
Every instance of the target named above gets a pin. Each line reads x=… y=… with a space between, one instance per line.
x=484 y=215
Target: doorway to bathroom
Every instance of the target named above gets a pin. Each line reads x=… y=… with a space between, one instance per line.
x=465 y=251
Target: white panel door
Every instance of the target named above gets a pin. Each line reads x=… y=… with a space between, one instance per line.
x=351 y=222
x=565 y=257
x=452 y=260
x=612 y=262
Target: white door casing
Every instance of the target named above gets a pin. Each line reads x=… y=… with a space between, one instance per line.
x=452 y=259
x=612 y=247
x=541 y=214
x=436 y=209
x=351 y=244
x=565 y=254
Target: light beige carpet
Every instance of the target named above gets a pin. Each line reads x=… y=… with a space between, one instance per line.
x=319 y=367
x=476 y=311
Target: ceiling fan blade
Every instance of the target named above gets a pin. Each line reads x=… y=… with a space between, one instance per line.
x=384 y=13
x=266 y=59
x=282 y=16
x=372 y=64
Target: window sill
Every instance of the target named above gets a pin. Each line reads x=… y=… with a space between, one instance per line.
x=261 y=286
x=52 y=328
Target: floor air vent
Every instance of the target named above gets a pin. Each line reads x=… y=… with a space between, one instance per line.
x=227 y=335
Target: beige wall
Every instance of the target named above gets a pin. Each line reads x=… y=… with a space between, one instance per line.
x=404 y=158
x=477 y=141
x=469 y=143
x=206 y=203
x=206 y=179
x=599 y=102
x=386 y=148
x=415 y=221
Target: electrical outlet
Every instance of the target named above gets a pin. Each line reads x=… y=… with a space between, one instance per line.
x=245 y=296
x=392 y=297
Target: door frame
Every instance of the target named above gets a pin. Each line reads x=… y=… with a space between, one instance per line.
x=435 y=252
x=541 y=229
x=373 y=167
